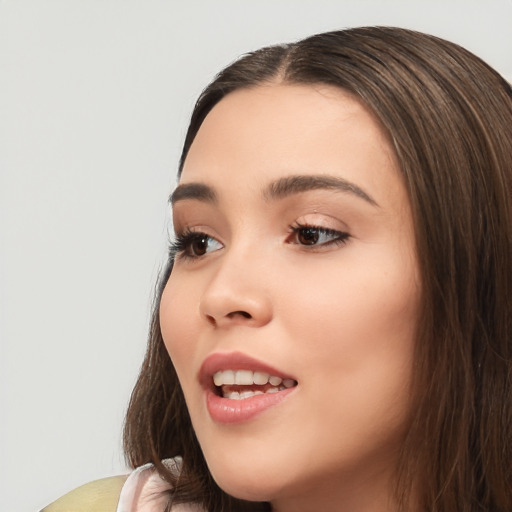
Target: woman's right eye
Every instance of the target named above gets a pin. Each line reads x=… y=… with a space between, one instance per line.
x=193 y=245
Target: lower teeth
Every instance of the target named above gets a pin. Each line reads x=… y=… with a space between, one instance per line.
x=242 y=395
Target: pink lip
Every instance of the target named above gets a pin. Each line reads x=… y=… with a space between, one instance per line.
x=223 y=410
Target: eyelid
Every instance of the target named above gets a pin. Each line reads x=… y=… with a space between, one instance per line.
x=183 y=238
x=338 y=237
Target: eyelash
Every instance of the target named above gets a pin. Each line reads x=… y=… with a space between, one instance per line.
x=338 y=237
x=181 y=247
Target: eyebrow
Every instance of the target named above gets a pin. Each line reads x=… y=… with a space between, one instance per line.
x=290 y=185
x=279 y=189
x=198 y=191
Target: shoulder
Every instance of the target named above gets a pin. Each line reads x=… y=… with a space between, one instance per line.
x=98 y=496
x=143 y=490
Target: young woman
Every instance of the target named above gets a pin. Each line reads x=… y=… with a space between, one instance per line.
x=333 y=329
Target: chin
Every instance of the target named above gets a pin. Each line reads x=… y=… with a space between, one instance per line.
x=247 y=483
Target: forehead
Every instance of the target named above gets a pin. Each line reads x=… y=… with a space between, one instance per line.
x=262 y=133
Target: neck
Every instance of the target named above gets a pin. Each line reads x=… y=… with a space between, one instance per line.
x=375 y=492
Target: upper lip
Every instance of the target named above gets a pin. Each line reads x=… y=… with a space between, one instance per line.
x=234 y=361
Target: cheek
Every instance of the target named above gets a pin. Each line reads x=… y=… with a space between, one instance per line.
x=179 y=323
x=357 y=324
x=376 y=299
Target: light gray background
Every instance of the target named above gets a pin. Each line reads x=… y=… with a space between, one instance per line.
x=94 y=101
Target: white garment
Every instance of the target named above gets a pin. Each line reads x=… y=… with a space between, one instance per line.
x=144 y=491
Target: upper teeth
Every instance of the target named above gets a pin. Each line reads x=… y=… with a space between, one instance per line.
x=248 y=377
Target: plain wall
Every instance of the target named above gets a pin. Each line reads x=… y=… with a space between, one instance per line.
x=94 y=101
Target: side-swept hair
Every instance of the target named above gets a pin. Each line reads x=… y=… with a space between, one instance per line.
x=449 y=118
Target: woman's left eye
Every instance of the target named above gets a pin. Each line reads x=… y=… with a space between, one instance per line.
x=317 y=236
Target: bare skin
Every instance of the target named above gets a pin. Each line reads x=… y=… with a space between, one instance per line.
x=297 y=250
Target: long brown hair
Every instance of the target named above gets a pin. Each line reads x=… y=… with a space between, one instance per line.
x=449 y=117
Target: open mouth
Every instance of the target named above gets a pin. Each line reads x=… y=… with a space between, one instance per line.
x=243 y=384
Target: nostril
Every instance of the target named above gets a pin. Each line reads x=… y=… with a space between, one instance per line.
x=239 y=313
x=232 y=316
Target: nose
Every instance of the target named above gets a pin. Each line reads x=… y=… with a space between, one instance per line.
x=237 y=295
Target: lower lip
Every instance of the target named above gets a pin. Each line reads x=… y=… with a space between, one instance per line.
x=224 y=410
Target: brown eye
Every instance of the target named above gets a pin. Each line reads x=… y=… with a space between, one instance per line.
x=308 y=236
x=193 y=245
x=315 y=236
x=199 y=245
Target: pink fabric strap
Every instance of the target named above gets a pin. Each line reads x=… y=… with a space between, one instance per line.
x=145 y=491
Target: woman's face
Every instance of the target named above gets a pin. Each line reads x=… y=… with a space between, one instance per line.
x=295 y=262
